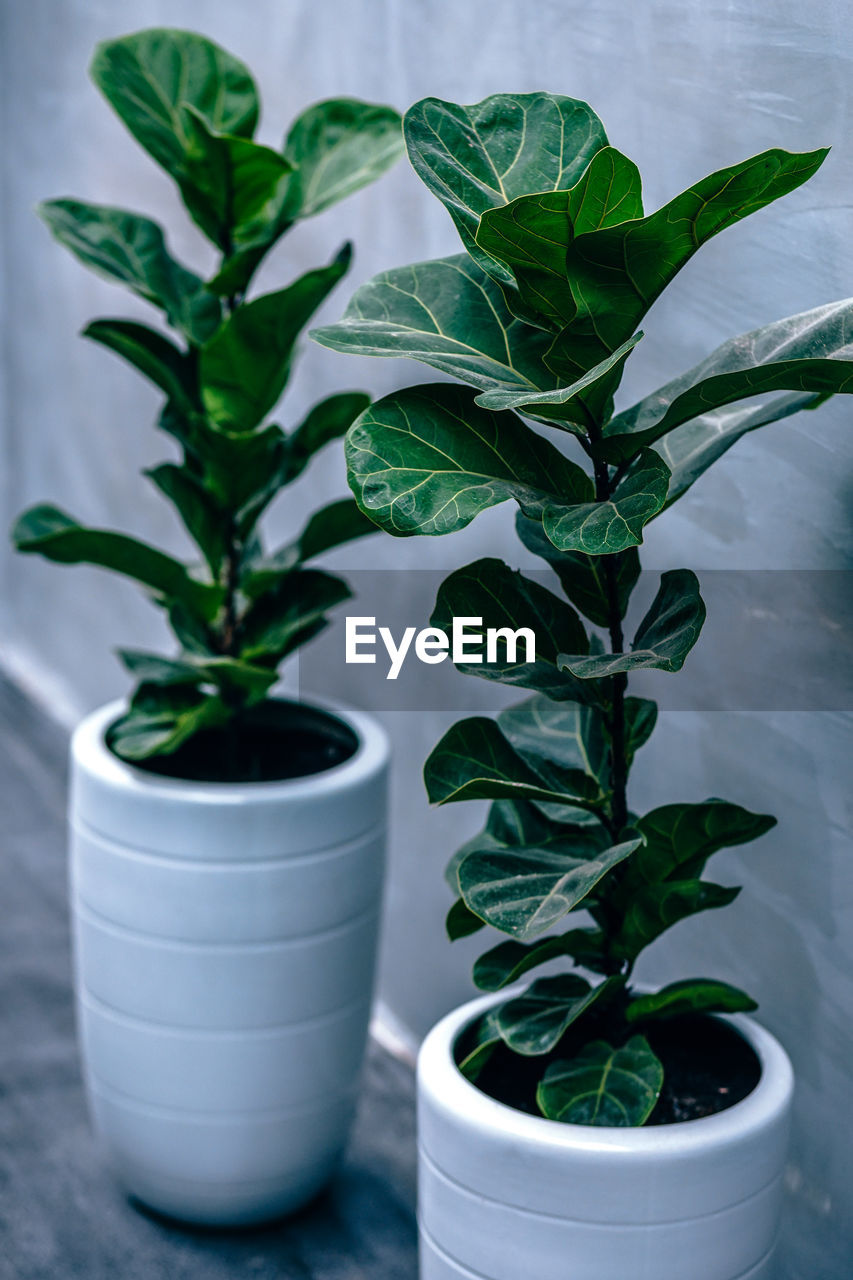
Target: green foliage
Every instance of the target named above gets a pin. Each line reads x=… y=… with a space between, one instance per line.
x=603 y=1085
x=237 y=610
x=539 y=316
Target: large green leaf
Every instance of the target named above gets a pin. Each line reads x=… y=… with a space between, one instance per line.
x=162 y=717
x=203 y=519
x=603 y=1085
x=531 y=234
x=693 y=995
x=282 y=619
x=235 y=191
x=252 y=682
x=641 y=716
x=238 y=465
x=131 y=249
x=461 y=922
x=657 y=907
x=330 y=527
x=450 y=314
x=328 y=420
x=600 y=284
x=605 y=528
x=811 y=352
x=246 y=364
x=524 y=891
x=151 y=353
x=479 y=157
x=691 y=449
x=680 y=838
x=51 y=533
x=568 y=406
x=148 y=77
x=475 y=761
x=509 y=961
x=584 y=577
x=664 y=638
x=507 y=601
x=535 y=1022
x=336 y=147
x=524 y=823
x=428 y=460
x=571 y=735
x=482 y=1040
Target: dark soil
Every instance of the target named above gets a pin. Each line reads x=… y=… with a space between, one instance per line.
x=272 y=742
x=708 y=1067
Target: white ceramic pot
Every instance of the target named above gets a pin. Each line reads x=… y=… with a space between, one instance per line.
x=224 y=939
x=508 y=1196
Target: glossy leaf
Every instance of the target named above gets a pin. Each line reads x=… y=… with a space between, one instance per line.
x=284 y=618
x=524 y=890
x=332 y=526
x=693 y=995
x=483 y=1038
x=191 y=669
x=680 y=838
x=535 y=1022
x=450 y=314
x=150 y=352
x=475 y=761
x=337 y=147
x=479 y=157
x=568 y=406
x=241 y=465
x=204 y=520
x=601 y=284
x=505 y=600
x=131 y=249
x=234 y=190
x=245 y=366
x=461 y=922
x=509 y=961
x=691 y=449
x=603 y=1085
x=664 y=638
x=516 y=823
x=531 y=234
x=657 y=907
x=570 y=735
x=811 y=352
x=327 y=421
x=150 y=76
x=51 y=533
x=640 y=719
x=605 y=528
x=163 y=717
x=583 y=577
x=428 y=460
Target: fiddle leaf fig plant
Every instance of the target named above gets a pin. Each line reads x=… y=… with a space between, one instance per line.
x=239 y=609
x=536 y=320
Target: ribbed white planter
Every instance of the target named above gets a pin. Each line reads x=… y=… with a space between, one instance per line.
x=224 y=938
x=508 y=1196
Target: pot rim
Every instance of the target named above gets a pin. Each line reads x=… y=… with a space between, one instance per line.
x=440 y=1079
x=90 y=753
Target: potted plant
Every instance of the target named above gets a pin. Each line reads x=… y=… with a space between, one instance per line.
x=577 y=1126
x=226 y=844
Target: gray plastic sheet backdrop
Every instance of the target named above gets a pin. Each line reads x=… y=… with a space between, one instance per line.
x=683 y=88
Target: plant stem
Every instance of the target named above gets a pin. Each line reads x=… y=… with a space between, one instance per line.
x=231 y=563
x=619 y=682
